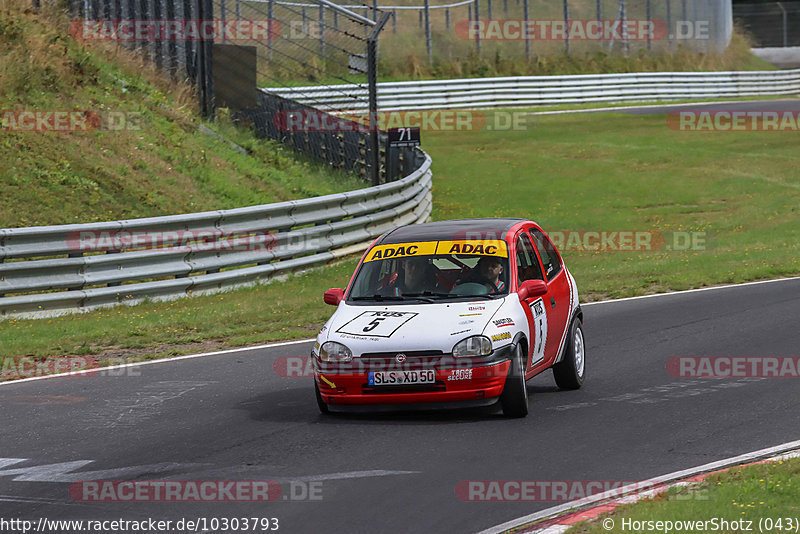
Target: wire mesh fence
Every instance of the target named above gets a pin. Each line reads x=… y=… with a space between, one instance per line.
x=529 y=28
x=771 y=24
x=230 y=48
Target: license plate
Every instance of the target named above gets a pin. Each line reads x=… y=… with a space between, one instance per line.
x=401 y=378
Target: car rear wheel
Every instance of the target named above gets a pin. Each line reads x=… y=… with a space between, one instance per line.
x=514 y=398
x=571 y=371
x=323 y=408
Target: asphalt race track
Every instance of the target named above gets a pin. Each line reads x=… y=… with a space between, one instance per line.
x=232 y=417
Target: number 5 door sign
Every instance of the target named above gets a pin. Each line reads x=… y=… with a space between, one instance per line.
x=376 y=323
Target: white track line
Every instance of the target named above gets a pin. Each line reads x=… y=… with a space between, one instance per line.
x=299 y=341
x=710 y=288
x=655 y=106
x=671 y=477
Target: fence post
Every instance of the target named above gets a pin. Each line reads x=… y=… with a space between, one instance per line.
x=394 y=21
x=222 y=8
x=489 y=9
x=526 y=16
x=427 y=8
x=669 y=23
x=566 y=23
x=624 y=19
x=477 y=34
x=505 y=8
x=271 y=23
x=447 y=19
x=785 y=25
x=172 y=46
x=649 y=45
x=322 y=31
x=372 y=81
x=205 y=81
x=600 y=9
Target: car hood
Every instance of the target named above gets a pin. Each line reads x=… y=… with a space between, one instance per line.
x=409 y=327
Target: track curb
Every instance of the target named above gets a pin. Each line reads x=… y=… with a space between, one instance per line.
x=558 y=519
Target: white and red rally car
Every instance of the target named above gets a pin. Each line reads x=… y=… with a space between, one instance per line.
x=451 y=313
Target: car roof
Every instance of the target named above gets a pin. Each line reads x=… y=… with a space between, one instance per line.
x=451 y=230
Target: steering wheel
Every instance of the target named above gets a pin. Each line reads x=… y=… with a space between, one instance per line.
x=479 y=279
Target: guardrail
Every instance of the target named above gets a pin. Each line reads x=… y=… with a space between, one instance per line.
x=49 y=270
x=520 y=91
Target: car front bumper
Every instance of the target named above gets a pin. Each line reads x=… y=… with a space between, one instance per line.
x=482 y=385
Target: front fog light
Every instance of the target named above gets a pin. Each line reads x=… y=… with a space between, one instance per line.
x=335 y=352
x=473 y=346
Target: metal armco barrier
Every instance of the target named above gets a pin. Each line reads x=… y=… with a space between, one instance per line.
x=518 y=91
x=47 y=270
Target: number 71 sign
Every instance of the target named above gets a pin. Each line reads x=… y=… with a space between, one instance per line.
x=406 y=136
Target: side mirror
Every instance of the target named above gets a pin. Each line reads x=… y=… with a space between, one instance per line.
x=333 y=296
x=532 y=289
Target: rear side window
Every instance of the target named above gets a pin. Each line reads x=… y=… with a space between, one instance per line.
x=552 y=265
x=527 y=263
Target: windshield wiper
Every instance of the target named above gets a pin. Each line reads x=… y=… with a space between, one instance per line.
x=433 y=294
x=457 y=296
x=422 y=296
x=379 y=297
x=407 y=296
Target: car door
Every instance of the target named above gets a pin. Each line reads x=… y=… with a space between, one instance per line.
x=558 y=299
x=529 y=268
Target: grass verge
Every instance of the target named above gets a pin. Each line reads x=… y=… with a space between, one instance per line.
x=284 y=309
x=761 y=494
x=148 y=161
x=613 y=172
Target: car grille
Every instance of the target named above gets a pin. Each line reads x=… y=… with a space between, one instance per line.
x=409 y=354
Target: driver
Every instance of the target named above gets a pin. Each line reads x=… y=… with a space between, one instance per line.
x=415 y=275
x=419 y=276
x=488 y=269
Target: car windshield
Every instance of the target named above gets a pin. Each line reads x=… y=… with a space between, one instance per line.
x=434 y=270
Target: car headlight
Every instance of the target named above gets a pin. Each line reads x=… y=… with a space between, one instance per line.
x=473 y=346
x=332 y=351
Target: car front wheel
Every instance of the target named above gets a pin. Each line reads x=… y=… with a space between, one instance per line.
x=323 y=408
x=571 y=371
x=514 y=398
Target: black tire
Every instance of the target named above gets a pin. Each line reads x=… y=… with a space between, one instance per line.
x=323 y=408
x=571 y=371
x=514 y=398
